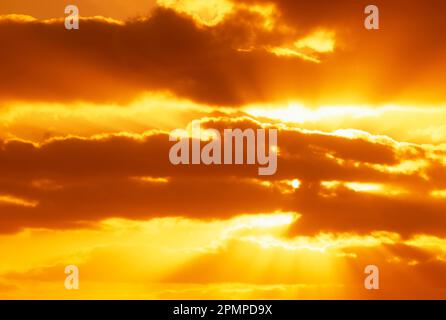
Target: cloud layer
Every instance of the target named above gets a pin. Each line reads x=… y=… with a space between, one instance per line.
x=247 y=57
x=85 y=176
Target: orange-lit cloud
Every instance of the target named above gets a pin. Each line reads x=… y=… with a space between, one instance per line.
x=355 y=66
x=85 y=177
x=95 y=178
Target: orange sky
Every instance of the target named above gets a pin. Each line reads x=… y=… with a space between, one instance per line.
x=85 y=117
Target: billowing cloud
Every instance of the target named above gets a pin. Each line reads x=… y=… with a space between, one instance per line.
x=345 y=184
x=85 y=176
x=247 y=57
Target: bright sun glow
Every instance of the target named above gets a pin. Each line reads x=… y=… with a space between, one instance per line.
x=209 y=12
x=298 y=113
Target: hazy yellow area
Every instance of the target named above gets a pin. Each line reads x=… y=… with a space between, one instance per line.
x=85 y=177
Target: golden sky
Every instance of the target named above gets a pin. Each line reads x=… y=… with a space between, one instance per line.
x=85 y=177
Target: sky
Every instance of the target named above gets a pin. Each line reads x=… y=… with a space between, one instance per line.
x=85 y=177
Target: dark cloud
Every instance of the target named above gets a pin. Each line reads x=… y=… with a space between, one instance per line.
x=103 y=61
x=92 y=179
